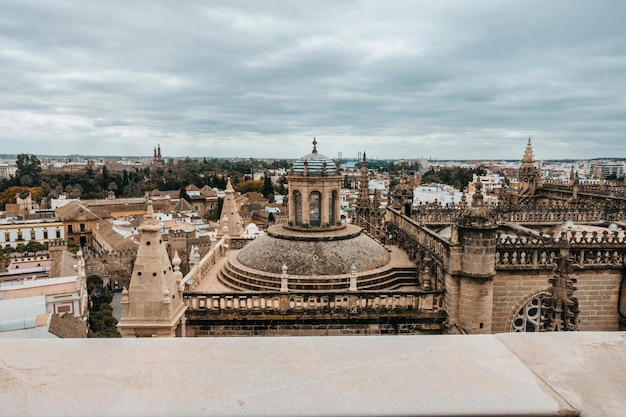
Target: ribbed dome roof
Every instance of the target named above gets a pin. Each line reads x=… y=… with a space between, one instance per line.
x=331 y=254
x=314 y=164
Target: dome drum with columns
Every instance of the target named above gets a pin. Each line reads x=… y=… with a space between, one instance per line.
x=315 y=250
x=314 y=192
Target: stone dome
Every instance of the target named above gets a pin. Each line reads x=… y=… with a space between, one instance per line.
x=314 y=164
x=307 y=253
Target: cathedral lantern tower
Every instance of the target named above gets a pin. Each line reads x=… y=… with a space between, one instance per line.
x=315 y=251
x=314 y=192
x=152 y=306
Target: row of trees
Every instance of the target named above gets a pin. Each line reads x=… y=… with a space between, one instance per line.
x=101 y=320
x=97 y=182
x=455 y=176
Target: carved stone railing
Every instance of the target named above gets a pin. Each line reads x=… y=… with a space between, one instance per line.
x=438 y=214
x=573 y=238
x=588 y=249
x=560 y=216
x=286 y=303
x=408 y=229
x=530 y=213
x=200 y=271
x=611 y=189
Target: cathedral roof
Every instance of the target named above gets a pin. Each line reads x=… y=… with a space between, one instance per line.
x=314 y=164
x=327 y=253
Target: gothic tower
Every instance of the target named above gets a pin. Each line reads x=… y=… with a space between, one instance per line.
x=529 y=176
x=469 y=297
x=157 y=158
x=152 y=306
x=363 y=217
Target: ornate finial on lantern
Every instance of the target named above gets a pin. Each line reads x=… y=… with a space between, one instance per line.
x=314 y=145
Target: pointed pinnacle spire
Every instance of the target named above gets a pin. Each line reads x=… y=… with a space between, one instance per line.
x=150 y=209
x=528 y=153
x=229 y=186
x=314 y=145
x=477 y=198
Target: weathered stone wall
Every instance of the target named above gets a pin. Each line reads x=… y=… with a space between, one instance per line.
x=597 y=293
x=512 y=290
x=111 y=268
x=451 y=298
x=475 y=305
x=181 y=242
x=478 y=249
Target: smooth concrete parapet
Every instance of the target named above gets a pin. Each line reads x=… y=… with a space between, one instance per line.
x=564 y=374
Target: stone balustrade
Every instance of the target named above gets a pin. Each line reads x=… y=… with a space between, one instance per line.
x=588 y=250
x=416 y=301
x=575 y=239
x=531 y=214
x=198 y=272
x=546 y=258
x=406 y=228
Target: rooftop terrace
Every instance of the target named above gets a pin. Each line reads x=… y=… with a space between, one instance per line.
x=547 y=374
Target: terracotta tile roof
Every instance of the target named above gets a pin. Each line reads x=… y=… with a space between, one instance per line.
x=251 y=197
x=182 y=205
x=113 y=206
x=67 y=326
x=172 y=194
x=103 y=214
x=63 y=265
x=207 y=191
x=72 y=211
x=104 y=230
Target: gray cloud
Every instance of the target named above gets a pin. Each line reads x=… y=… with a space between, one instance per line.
x=402 y=79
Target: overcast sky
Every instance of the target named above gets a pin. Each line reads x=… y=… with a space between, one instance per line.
x=398 y=79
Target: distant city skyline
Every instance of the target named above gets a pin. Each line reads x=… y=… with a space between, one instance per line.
x=447 y=80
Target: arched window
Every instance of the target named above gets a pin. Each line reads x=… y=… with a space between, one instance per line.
x=332 y=206
x=528 y=318
x=297 y=199
x=315 y=208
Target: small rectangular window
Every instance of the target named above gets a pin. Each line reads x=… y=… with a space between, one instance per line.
x=7 y=236
x=19 y=236
x=45 y=234
x=33 y=235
